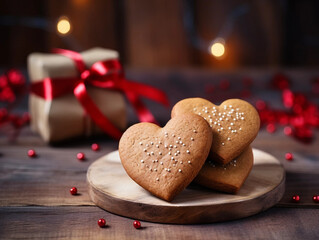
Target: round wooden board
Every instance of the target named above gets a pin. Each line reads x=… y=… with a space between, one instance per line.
x=113 y=190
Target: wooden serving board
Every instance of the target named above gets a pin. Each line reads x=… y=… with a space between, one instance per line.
x=113 y=190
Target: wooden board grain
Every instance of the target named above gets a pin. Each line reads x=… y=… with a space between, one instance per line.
x=80 y=222
x=111 y=189
x=46 y=179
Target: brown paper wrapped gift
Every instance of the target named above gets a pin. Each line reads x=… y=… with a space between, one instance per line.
x=63 y=117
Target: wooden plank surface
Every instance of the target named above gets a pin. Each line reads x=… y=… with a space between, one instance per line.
x=81 y=223
x=46 y=179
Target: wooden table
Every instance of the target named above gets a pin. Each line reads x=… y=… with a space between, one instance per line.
x=35 y=202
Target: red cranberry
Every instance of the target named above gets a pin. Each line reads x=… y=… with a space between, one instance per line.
x=74 y=191
x=101 y=222
x=315 y=198
x=296 y=198
x=95 y=147
x=80 y=156
x=289 y=156
x=31 y=153
x=137 y=224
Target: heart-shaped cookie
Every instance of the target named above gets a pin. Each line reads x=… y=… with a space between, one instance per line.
x=235 y=124
x=165 y=160
x=226 y=178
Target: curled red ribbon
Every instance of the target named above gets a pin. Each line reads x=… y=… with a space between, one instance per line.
x=103 y=74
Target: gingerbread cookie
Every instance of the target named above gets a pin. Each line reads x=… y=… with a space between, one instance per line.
x=226 y=178
x=165 y=160
x=235 y=124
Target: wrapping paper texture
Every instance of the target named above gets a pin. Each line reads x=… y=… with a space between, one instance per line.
x=63 y=117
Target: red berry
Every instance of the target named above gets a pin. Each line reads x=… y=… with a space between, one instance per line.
x=261 y=105
x=101 y=222
x=280 y=81
x=288 y=131
x=289 y=156
x=31 y=153
x=315 y=198
x=295 y=198
x=271 y=128
x=288 y=98
x=73 y=191
x=80 y=156
x=95 y=147
x=137 y=224
x=304 y=134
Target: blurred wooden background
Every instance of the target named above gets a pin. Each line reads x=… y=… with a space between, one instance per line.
x=157 y=33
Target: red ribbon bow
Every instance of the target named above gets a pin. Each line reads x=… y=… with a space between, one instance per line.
x=103 y=74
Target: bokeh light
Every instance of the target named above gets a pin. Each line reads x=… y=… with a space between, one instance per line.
x=217 y=48
x=63 y=26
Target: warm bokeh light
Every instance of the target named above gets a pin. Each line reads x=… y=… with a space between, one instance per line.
x=63 y=26
x=217 y=49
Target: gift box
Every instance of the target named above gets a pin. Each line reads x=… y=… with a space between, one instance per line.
x=65 y=116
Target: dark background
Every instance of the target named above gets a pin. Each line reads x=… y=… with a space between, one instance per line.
x=165 y=33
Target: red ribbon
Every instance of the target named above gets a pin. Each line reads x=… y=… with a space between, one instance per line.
x=103 y=74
